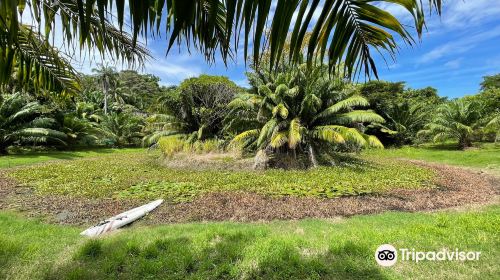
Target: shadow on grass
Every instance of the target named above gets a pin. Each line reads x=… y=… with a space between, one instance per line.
x=222 y=257
x=441 y=147
x=31 y=157
x=9 y=251
x=348 y=161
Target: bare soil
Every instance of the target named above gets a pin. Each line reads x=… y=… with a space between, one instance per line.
x=457 y=187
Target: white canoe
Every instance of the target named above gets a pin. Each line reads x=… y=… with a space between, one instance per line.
x=121 y=219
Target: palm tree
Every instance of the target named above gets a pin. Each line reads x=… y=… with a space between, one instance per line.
x=345 y=29
x=23 y=122
x=28 y=54
x=494 y=125
x=455 y=120
x=161 y=125
x=195 y=109
x=107 y=77
x=403 y=122
x=301 y=111
x=122 y=129
x=79 y=130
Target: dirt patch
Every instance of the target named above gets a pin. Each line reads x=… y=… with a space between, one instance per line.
x=457 y=187
x=213 y=161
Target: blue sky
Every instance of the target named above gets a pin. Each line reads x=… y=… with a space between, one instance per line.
x=453 y=55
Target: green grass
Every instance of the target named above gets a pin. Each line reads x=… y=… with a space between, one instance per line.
x=485 y=156
x=138 y=175
x=306 y=249
x=38 y=157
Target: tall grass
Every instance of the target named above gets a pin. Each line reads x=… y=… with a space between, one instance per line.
x=172 y=145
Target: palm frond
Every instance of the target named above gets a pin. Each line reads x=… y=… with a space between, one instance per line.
x=294 y=133
x=361 y=116
x=27 y=110
x=278 y=139
x=327 y=133
x=43 y=122
x=345 y=104
x=241 y=138
x=280 y=110
x=40 y=135
x=37 y=63
x=347 y=29
x=266 y=132
x=373 y=141
x=155 y=136
x=494 y=122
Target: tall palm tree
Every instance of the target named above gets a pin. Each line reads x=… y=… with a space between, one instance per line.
x=455 y=120
x=108 y=78
x=301 y=111
x=347 y=30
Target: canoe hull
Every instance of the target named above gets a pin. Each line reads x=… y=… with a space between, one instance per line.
x=122 y=219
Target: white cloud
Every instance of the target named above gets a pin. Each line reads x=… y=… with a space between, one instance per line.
x=242 y=83
x=453 y=64
x=469 y=13
x=459 y=46
x=173 y=68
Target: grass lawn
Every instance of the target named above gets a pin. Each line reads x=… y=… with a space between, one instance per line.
x=138 y=175
x=306 y=249
x=487 y=156
x=32 y=158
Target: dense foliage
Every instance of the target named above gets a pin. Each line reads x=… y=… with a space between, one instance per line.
x=299 y=116
x=25 y=121
x=199 y=105
x=456 y=120
x=406 y=111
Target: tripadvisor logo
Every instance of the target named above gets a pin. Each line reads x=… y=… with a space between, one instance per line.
x=387 y=255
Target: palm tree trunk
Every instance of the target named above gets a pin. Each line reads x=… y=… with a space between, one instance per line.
x=312 y=157
x=4 y=144
x=105 y=89
x=464 y=143
x=3 y=149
